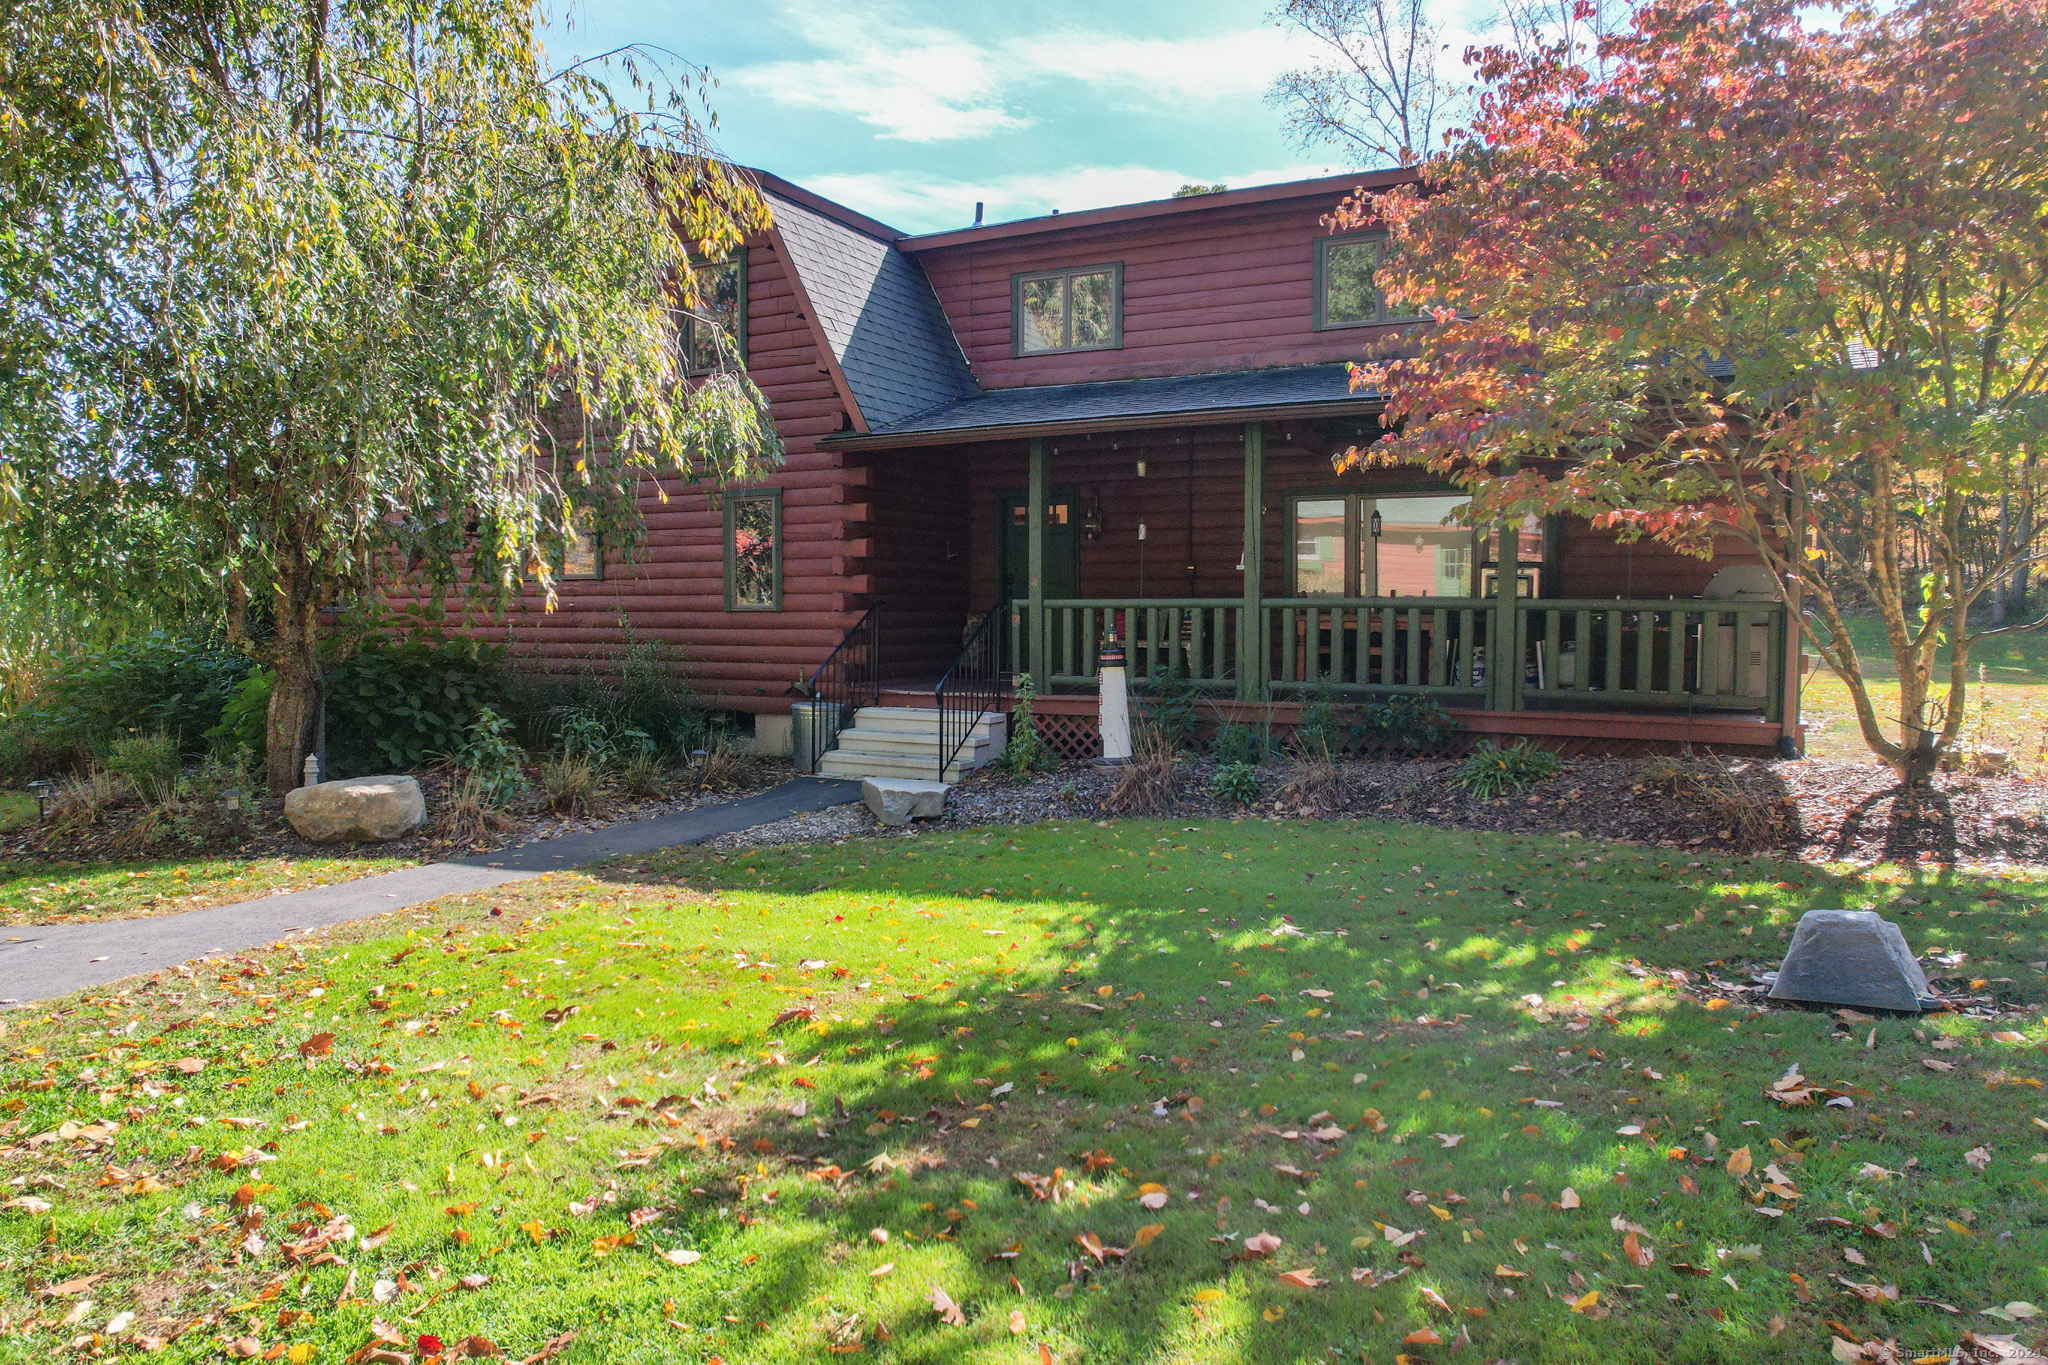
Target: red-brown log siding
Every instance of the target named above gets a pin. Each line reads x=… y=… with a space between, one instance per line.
x=674 y=590
x=1224 y=290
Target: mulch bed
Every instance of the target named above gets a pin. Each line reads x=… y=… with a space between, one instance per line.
x=1809 y=808
x=113 y=838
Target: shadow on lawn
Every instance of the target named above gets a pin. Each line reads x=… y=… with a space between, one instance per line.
x=1147 y=1045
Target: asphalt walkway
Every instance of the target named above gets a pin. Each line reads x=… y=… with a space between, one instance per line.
x=38 y=962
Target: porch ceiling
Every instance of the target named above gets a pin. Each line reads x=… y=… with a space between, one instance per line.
x=1194 y=399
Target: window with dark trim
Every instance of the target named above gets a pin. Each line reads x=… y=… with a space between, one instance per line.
x=581 y=554
x=1383 y=545
x=715 y=328
x=753 y=549
x=1077 y=309
x=1347 y=294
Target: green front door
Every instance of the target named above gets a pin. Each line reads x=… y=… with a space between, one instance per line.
x=1013 y=551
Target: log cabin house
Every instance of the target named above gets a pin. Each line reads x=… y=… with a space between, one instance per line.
x=1006 y=440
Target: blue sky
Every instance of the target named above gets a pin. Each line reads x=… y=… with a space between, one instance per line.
x=911 y=110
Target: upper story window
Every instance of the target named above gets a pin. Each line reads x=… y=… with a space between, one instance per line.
x=715 y=329
x=1346 y=293
x=1079 y=309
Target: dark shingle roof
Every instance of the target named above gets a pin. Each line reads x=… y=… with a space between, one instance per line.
x=1174 y=396
x=879 y=315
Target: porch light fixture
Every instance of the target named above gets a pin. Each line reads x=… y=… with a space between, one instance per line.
x=41 y=791
x=1091 y=518
x=1375 y=523
x=1141 y=469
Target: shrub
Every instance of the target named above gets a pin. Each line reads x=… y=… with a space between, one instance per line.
x=156 y=682
x=495 y=766
x=582 y=733
x=1490 y=771
x=406 y=696
x=1168 y=703
x=1405 y=722
x=643 y=688
x=1315 y=732
x=1237 y=783
x=1238 y=745
x=244 y=715
x=1025 y=754
x=147 y=763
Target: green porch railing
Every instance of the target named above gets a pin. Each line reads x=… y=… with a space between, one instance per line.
x=1431 y=646
x=1653 y=655
x=1195 y=636
x=1594 y=653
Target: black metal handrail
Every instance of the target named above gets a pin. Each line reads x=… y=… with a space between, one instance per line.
x=850 y=678
x=972 y=688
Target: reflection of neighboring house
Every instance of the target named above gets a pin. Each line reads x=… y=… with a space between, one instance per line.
x=1124 y=418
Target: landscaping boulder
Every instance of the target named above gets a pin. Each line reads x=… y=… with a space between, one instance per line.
x=357 y=809
x=899 y=800
x=1852 y=957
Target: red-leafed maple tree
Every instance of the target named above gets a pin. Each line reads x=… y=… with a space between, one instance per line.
x=1759 y=278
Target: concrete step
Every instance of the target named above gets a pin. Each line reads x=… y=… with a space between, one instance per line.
x=973 y=753
x=919 y=719
x=841 y=763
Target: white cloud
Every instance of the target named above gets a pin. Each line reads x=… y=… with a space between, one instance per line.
x=1205 y=66
x=919 y=203
x=916 y=84
x=919 y=83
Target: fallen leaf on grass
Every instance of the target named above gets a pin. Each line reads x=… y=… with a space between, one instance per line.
x=948 y=1311
x=1978 y=1158
x=1638 y=1255
x=1144 y=1235
x=1740 y=1162
x=1261 y=1244
x=1423 y=1337
x=1302 y=1279
x=1569 y=1199
x=1017 y=1323
x=1508 y=1272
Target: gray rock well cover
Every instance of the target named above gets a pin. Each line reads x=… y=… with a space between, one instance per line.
x=1852 y=957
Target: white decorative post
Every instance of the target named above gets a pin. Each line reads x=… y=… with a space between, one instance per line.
x=1115 y=720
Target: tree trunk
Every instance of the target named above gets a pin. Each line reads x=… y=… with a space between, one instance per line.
x=295 y=701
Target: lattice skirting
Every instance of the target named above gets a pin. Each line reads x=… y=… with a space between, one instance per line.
x=1075 y=738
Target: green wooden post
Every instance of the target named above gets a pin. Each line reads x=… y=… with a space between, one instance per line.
x=1251 y=632
x=1504 y=665
x=1035 y=542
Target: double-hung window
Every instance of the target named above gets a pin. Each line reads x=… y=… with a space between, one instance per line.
x=1077 y=309
x=753 y=549
x=715 y=325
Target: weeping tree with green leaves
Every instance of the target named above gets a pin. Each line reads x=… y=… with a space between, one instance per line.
x=310 y=302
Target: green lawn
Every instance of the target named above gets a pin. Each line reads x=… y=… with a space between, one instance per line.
x=1457 y=1056
x=57 y=893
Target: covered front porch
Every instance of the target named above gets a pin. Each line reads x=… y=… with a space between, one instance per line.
x=1374 y=589
x=1225 y=548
